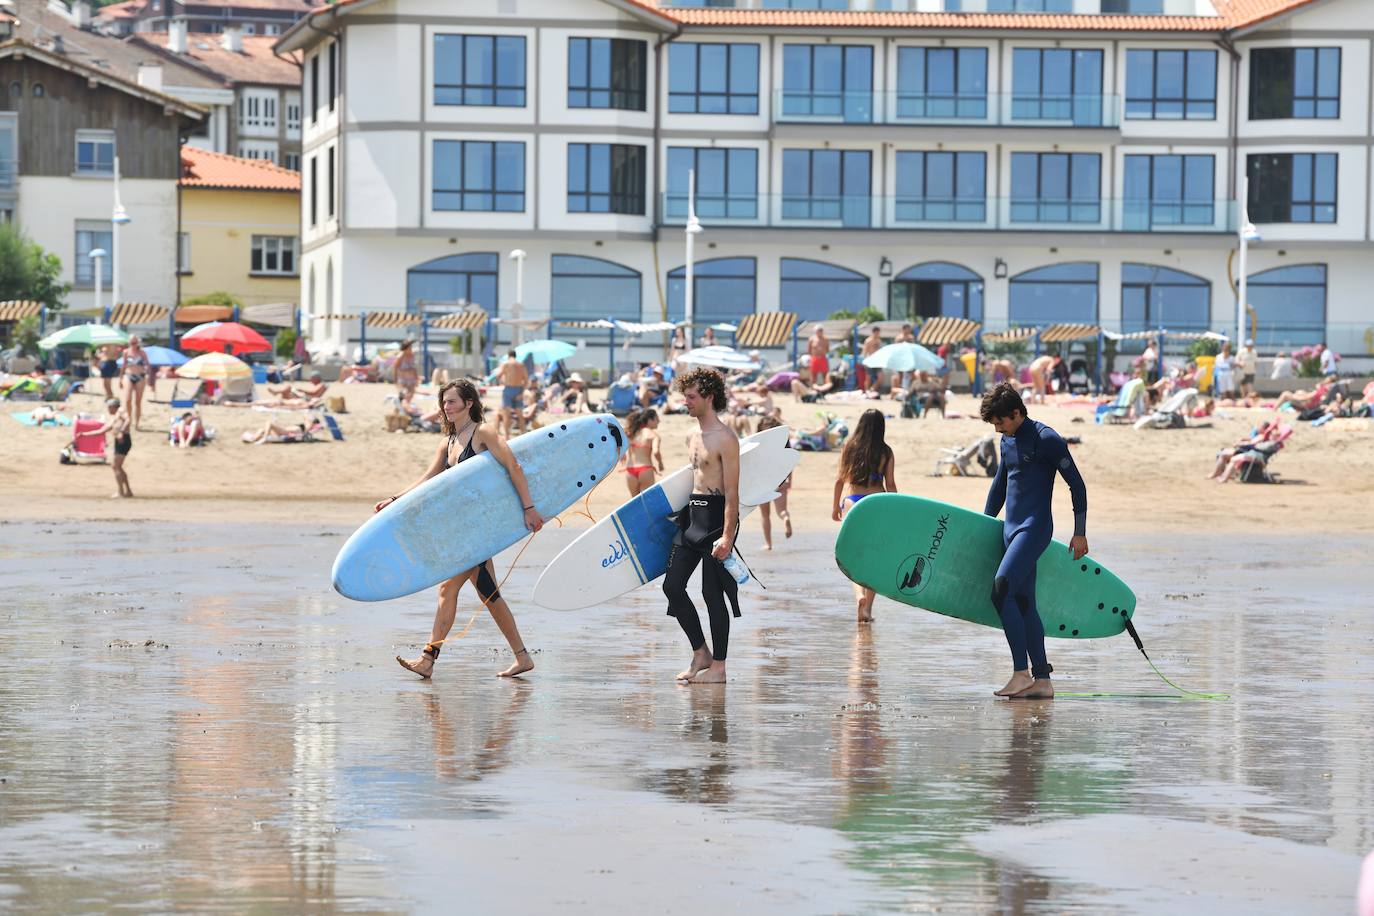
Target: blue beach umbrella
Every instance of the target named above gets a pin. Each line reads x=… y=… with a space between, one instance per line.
x=904 y=357
x=162 y=356
x=544 y=351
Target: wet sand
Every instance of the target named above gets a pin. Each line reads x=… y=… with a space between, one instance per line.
x=203 y=724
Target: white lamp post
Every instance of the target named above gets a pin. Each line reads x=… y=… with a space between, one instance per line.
x=1248 y=233
x=118 y=217
x=97 y=256
x=691 y=231
x=518 y=256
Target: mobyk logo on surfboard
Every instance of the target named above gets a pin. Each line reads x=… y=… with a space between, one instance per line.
x=619 y=552
x=915 y=572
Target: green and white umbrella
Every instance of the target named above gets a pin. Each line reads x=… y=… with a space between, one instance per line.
x=83 y=335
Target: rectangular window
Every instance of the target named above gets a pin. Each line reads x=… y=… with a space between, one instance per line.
x=727 y=182
x=713 y=78
x=329 y=178
x=1057 y=84
x=486 y=70
x=1171 y=85
x=183 y=252
x=1168 y=191
x=1292 y=187
x=1133 y=7
x=806 y=4
x=828 y=82
x=479 y=175
x=942 y=83
x=605 y=178
x=1056 y=188
x=941 y=187
x=1008 y=6
x=293 y=112
x=95 y=152
x=606 y=73
x=90 y=235
x=333 y=74
x=315 y=89
x=1295 y=83
x=293 y=161
x=258 y=149
x=827 y=185
x=274 y=254
x=314 y=190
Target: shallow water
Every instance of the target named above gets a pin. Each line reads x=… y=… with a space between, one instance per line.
x=193 y=719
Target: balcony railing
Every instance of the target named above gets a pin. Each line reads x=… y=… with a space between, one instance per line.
x=901 y=106
x=979 y=214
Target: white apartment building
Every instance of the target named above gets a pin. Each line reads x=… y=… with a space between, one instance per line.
x=923 y=157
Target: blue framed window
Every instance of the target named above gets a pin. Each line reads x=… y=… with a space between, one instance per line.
x=585 y=289
x=1295 y=83
x=815 y=289
x=465 y=278
x=606 y=73
x=1056 y=188
x=806 y=4
x=1292 y=187
x=479 y=175
x=727 y=182
x=1133 y=7
x=824 y=184
x=485 y=70
x=91 y=235
x=831 y=82
x=1009 y=6
x=706 y=78
x=1050 y=295
x=941 y=187
x=1171 y=85
x=95 y=152
x=935 y=289
x=1290 y=304
x=942 y=83
x=1057 y=84
x=1168 y=190
x=724 y=290
x=605 y=178
x=1159 y=297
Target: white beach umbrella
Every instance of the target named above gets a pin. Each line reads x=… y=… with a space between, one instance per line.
x=720 y=357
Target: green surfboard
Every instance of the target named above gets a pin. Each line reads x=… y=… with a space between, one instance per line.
x=942 y=558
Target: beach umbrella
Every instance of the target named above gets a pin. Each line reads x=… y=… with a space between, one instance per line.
x=225 y=337
x=904 y=357
x=83 y=335
x=162 y=356
x=544 y=352
x=721 y=358
x=216 y=366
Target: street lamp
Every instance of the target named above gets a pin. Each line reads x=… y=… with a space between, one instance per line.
x=118 y=217
x=691 y=231
x=98 y=256
x=518 y=256
x=1248 y=233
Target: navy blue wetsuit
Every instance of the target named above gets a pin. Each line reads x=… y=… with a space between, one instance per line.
x=1025 y=484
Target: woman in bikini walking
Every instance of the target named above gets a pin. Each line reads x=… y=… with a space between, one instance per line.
x=134 y=379
x=867 y=466
x=644 y=451
x=466 y=436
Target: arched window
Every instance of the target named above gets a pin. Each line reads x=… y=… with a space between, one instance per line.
x=329 y=287
x=466 y=277
x=1049 y=295
x=1158 y=297
x=585 y=289
x=815 y=289
x=724 y=290
x=16 y=88
x=38 y=90
x=934 y=289
x=1290 y=304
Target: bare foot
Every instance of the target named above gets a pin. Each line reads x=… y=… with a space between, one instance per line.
x=701 y=660
x=518 y=666
x=787 y=525
x=766 y=546
x=712 y=674
x=423 y=666
x=1041 y=689
x=1020 y=680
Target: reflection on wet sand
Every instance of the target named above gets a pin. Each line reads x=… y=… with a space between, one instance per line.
x=706 y=730
x=493 y=752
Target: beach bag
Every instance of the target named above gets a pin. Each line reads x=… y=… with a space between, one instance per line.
x=336 y=404
x=396 y=421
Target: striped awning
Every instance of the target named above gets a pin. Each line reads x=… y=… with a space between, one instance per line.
x=276 y=314
x=1067 y=333
x=460 y=321
x=600 y=324
x=1172 y=335
x=380 y=319
x=199 y=314
x=765 y=329
x=631 y=328
x=947 y=330
x=1010 y=335
x=16 y=309
x=127 y=313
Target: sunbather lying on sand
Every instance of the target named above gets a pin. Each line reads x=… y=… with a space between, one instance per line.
x=1266 y=433
x=811 y=393
x=272 y=432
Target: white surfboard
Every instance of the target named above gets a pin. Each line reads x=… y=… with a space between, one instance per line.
x=630 y=546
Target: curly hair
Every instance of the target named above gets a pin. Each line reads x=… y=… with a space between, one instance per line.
x=1001 y=401
x=468 y=392
x=708 y=382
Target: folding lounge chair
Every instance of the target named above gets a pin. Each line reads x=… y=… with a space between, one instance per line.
x=1254 y=464
x=1132 y=396
x=983 y=450
x=59 y=389
x=84 y=449
x=620 y=399
x=1173 y=413
x=332 y=425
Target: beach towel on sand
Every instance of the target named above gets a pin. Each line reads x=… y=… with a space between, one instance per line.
x=26 y=417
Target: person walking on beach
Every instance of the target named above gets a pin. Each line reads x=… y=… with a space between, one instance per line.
x=1032 y=454
x=465 y=436
x=407 y=376
x=867 y=466
x=117 y=425
x=872 y=344
x=645 y=450
x=1223 y=373
x=771 y=421
x=513 y=377
x=109 y=367
x=1247 y=362
x=818 y=348
x=134 y=378
x=706 y=528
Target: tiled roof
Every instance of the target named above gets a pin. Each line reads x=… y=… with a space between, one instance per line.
x=254 y=64
x=203 y=169
x=293 y=6
x=126 y=10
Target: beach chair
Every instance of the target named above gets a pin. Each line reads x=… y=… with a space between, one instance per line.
x=1131 y=398
x=960 y=460
x=1253 y=465
x=1079 y=380
x=60 y=388
x=84 y=449
x=1173 y=413
x=332 y=425
x=182 y=402
x=25 y=389
x=620 y=399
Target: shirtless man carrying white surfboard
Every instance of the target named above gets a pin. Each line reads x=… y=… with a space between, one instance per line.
x=706 y=528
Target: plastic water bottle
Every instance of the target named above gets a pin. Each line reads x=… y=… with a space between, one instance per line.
x=735 y=567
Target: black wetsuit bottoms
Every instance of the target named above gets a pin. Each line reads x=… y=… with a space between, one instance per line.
x=700 y=525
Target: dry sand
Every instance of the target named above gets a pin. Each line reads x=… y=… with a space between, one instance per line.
x=1138 y=481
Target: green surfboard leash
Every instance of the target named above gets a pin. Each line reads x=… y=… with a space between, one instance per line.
x=1183 y=692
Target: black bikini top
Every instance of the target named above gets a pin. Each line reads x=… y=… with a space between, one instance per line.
x=468 y=450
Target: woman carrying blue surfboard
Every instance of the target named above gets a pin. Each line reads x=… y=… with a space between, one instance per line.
x=465 y=436
x=1032 y=455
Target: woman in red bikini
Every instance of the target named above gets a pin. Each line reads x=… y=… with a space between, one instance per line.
x=644 y=451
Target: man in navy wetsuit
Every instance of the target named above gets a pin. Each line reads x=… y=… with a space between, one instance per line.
x=1032 y=454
